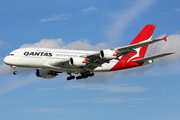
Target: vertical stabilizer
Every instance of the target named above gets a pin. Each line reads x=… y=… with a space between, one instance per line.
x=144 y=35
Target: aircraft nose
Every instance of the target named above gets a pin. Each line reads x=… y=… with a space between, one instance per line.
x=8 y=60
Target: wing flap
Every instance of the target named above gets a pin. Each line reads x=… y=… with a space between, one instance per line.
x=152 y=57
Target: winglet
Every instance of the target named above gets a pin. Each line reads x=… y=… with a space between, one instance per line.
x=165 y=38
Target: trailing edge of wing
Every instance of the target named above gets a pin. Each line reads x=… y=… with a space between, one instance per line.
x=152 y=57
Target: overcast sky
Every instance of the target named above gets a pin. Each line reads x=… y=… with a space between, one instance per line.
x=146 y=93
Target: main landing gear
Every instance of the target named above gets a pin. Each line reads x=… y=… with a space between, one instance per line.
x=70 y=77
x=15 y=71
x=83 y=75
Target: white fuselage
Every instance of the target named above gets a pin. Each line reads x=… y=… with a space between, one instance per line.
x=43 y=57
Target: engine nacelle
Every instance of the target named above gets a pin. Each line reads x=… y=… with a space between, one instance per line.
x=108 y=54
x=77 y=61
x=45 y=73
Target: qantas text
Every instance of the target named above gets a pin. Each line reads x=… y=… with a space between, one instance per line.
x=49 y=54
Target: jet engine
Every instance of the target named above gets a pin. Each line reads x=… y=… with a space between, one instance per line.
x=45 y=73
x=108 y=54
x=77 y=61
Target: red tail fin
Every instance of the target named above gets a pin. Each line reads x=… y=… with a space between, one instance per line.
x=145 y=34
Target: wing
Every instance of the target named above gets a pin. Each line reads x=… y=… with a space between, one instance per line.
x=130 y=48
x=94 y=60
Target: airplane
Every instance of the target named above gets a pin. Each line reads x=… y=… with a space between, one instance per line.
x=49 y=62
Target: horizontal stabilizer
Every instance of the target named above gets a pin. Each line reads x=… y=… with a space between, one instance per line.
x=152 y=57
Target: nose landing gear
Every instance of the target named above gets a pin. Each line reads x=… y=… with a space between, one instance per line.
x=15 y=71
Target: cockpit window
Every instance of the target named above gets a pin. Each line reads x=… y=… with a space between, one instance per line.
x=11 y=55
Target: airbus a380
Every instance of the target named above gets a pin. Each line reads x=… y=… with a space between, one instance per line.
x=50 y=62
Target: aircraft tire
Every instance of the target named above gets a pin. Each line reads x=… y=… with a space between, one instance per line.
x=15 y=72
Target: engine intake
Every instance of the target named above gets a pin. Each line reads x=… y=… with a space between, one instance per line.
x=77 y=61
x=108 y=54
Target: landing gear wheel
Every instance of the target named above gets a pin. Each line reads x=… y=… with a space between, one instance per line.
x=91 y=74
x=78 y=77
x=70 y=77
x=15 y=72
x=85 y=75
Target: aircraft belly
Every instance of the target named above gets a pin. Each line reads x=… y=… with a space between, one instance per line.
x=106 y=66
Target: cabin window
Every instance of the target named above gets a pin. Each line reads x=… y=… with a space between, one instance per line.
x=11 y=55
